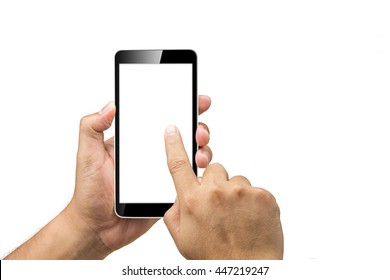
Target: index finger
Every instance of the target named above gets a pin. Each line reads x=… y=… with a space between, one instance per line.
x=178 y=163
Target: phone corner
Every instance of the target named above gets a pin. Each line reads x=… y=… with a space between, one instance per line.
x=118 y=213
x=193 y=53
x=118 y=54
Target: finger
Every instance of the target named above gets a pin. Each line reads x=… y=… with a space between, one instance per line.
x=109 y=144
x=215 y=173
x=241 y=180
x=172 y=220
x=203 y=157
x=92 y=126
x=177 y=159
x=204 y=103
x=264 y=194
x=202 y=134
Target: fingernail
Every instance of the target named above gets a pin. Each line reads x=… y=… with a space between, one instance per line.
x=171 y=130
x=106 y=108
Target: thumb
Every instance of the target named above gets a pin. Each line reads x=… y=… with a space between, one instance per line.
x=92 y=126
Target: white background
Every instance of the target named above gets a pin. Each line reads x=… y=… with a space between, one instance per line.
x=300 y=94
x=152 y=96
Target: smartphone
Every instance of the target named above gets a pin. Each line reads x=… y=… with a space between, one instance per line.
x=153 y=89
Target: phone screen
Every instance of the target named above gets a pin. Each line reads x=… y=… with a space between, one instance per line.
x=152 y=96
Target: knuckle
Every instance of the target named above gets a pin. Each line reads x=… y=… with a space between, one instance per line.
x=84 y=122
x=87 y=129
x=264 y=195
x=216 y=193
x=167 y=217
x=277 y=211
x=216 y=165
x=238 y=190
x=240 y=179
x=177 y=164
x=189 y=203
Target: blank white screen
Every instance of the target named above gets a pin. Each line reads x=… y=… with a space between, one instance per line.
x=151 y=97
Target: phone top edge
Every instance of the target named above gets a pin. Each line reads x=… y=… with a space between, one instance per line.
x=156 y=56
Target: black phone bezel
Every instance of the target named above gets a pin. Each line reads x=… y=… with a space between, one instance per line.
x=144 y=210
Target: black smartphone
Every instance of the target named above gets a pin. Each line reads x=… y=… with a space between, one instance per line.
x=153 y=89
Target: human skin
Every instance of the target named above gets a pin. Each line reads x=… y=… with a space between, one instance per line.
x=88 y=228
x=219 y=217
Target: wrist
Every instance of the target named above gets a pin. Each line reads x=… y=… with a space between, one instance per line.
x=84 y=241
x=65 y=237
x=249 y=254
